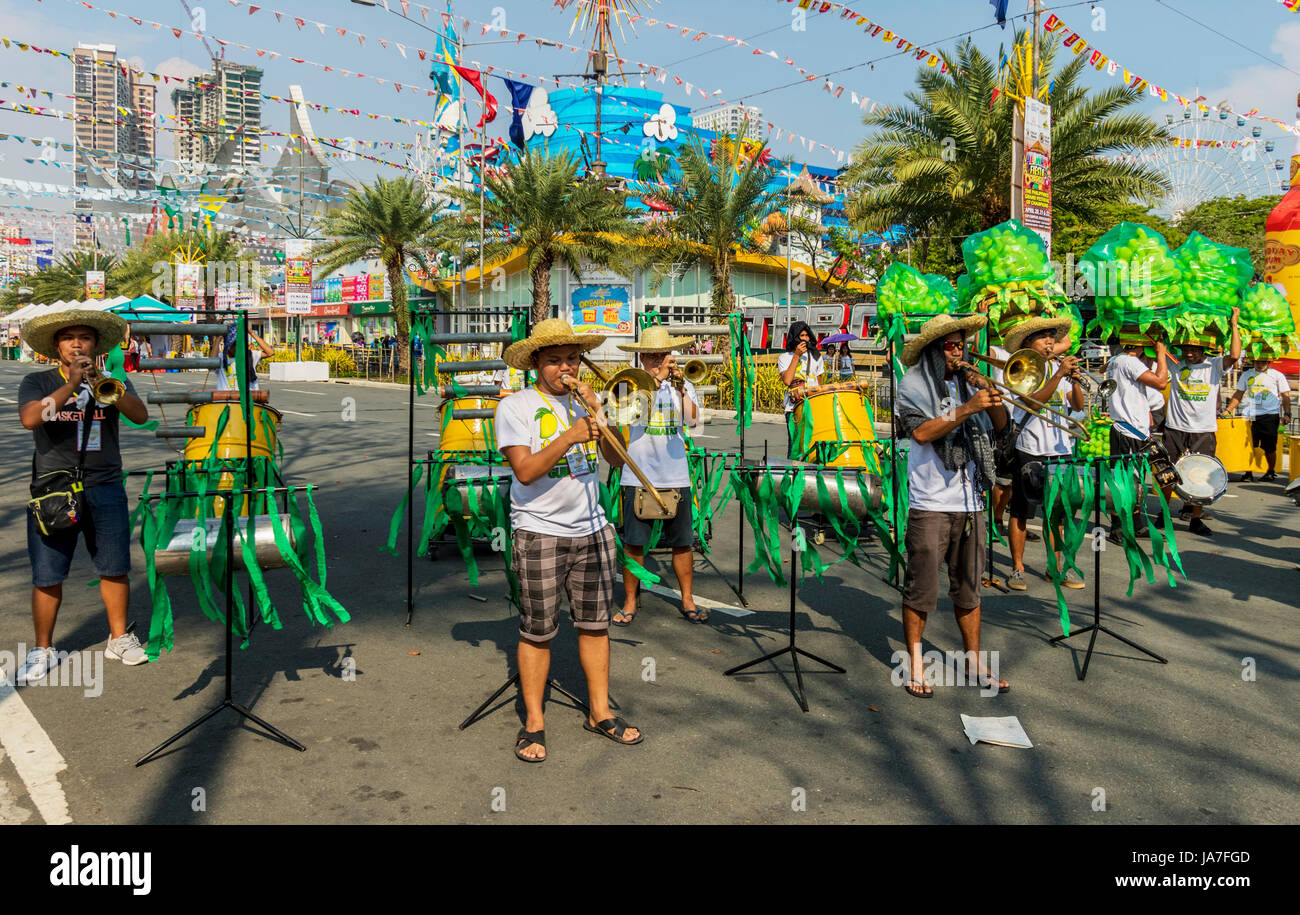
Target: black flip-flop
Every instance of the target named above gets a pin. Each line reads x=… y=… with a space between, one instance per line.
x=916 y=692
x=701 y=614
x=529 y=738
x=613 y=728
x=987 y=683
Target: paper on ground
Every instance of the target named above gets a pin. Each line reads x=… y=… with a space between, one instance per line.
x=1002 y=732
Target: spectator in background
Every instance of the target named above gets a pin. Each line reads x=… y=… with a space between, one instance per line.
x=1268 y=400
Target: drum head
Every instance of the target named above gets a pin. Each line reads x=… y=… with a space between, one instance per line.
x=1202 y=478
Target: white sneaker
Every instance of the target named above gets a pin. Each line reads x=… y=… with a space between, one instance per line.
x=39 y=663
x=125 y=648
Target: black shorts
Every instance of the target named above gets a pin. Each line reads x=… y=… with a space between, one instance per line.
x=1263 y=431
x=1179 y=443
x=1024 y=504
x=678 y=531
x=1122 y=444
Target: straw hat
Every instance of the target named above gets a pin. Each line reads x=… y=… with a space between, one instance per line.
x=936 y=329
x=656 y=339
x=1021 y=331
x=551 y=332
x=39 y=332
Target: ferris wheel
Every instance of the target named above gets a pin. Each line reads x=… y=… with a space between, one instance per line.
x=1201 y=162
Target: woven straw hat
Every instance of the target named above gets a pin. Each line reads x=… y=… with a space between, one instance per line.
x=551 y=332
x=936 y=329
x=39 y=332
x=1018 y=333
x=656 y=339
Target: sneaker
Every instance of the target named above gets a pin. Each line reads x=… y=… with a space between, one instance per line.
x=125 y=648
x=1032 y=537
x=1268 y=477
x=1016 y=580
x=40 y=661
x=1116 y=536
x=1185 y=513
x=1073 y=580
x=1247 y=477
x=1199 y=528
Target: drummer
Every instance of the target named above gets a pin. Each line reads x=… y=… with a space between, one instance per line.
x=801 y=367
x=1192 y=416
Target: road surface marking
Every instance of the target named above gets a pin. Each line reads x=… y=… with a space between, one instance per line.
x=312 y=393
x=296 y=413
x=34 y=756
x=7 y=400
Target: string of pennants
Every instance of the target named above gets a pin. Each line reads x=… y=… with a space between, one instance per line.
x=775 y=131
x=1072 y=40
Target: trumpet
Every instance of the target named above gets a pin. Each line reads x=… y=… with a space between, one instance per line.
x=1094 y=387
x=106 y=391
x=1024 y=372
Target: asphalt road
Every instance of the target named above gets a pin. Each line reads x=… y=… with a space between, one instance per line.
x=378 y=704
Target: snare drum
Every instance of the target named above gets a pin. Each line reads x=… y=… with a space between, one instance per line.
x=1202 y=479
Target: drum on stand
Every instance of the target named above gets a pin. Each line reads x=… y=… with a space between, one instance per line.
x=233 y=444
x=1202 y=479
x=840 y=417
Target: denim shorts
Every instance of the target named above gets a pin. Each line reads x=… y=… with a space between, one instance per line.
x=106 y=528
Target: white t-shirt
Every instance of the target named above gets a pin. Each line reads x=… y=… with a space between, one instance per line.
x=658 y=447
x=1039 y=437
x=1262 y=392
x=847 y=368
x=810 y=369
x=1129 y=403
x=1194 y=396
x=558 y=504
x=933 y=487
x=228 y=380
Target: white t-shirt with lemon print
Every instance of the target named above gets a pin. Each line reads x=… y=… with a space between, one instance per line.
x=1194 y=396
x=561 y=503
x=659 y=446
x=1263 y=392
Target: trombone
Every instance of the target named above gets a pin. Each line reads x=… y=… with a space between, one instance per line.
x=695 y=371
x=1024 y=372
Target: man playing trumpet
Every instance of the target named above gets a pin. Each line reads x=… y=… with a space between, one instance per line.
x=659 y=448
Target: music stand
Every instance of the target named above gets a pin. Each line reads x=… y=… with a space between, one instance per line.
x=1096 y=626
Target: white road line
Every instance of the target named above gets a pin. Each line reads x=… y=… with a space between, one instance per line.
x=34 y=756
x=7 y=400
x=312 y=393
x=296 y=413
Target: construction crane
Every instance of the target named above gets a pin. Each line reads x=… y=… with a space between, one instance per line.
x=189 y=12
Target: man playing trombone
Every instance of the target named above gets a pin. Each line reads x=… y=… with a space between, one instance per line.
x=1038 y=438
x=658 y=446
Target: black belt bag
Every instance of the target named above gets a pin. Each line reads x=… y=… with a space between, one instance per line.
x=58 y=501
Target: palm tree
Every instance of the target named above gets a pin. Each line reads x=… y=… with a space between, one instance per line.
x=719 y=197
x=537 y=203
x=66 y=279
x=389 y=220
x=138 y=273
x=942 y=165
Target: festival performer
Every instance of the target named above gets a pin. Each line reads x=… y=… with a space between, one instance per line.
x=1269 y=401
x=74 y=434
x=1134 y=375
x=1192 y=418
x=562 y=542
x=951 y=419
x=659 y=449
x=800 y=367
x=227 y=377
x=1039 y=439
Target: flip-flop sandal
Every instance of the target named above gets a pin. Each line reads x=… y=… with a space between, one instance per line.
x=987 y=683
x=916 y=692
x=628 y=618
x=613 y=728
x=525 y=739
x=698 y=615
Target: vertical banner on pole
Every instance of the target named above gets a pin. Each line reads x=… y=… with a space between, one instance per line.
x=189 y=286
x=1036 y=175
x=297 y=276
x=94 y=284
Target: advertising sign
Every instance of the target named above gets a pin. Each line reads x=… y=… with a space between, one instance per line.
x=189 y=286
x=297 y=276
x=1038 y=170
x=94 y=284
x=602 y=310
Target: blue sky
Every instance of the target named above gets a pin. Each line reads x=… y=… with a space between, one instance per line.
x=1149 y=37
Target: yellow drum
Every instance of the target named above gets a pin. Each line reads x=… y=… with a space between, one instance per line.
x=469 y=434
x=1234 y=450
x=232 y=444
x=840 y=416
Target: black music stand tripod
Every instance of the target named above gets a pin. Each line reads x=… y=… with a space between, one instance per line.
x=1095 y=626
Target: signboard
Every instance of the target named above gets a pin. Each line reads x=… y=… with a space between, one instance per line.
x=94 y=284
x=1038 y=170
x=189 y=286
x=297 y=276
x=602 y=310
x=372 y=308
x=330 y=308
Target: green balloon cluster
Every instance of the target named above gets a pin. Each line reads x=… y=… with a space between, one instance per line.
x=903 y=290
x=1133 y=276
x=1006 y=253
x=1213 y=275
x=1268 y=327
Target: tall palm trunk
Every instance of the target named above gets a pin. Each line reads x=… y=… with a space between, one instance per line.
x=542 y=290
x=397 y=288
x=721 y=294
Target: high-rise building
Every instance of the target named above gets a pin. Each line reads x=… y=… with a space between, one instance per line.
x=231 y=93
x=114 y=123
x=731 y=118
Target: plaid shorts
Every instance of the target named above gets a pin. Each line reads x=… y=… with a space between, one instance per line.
x=547 y=566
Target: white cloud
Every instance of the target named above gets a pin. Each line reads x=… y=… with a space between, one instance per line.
x=1270 y=89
